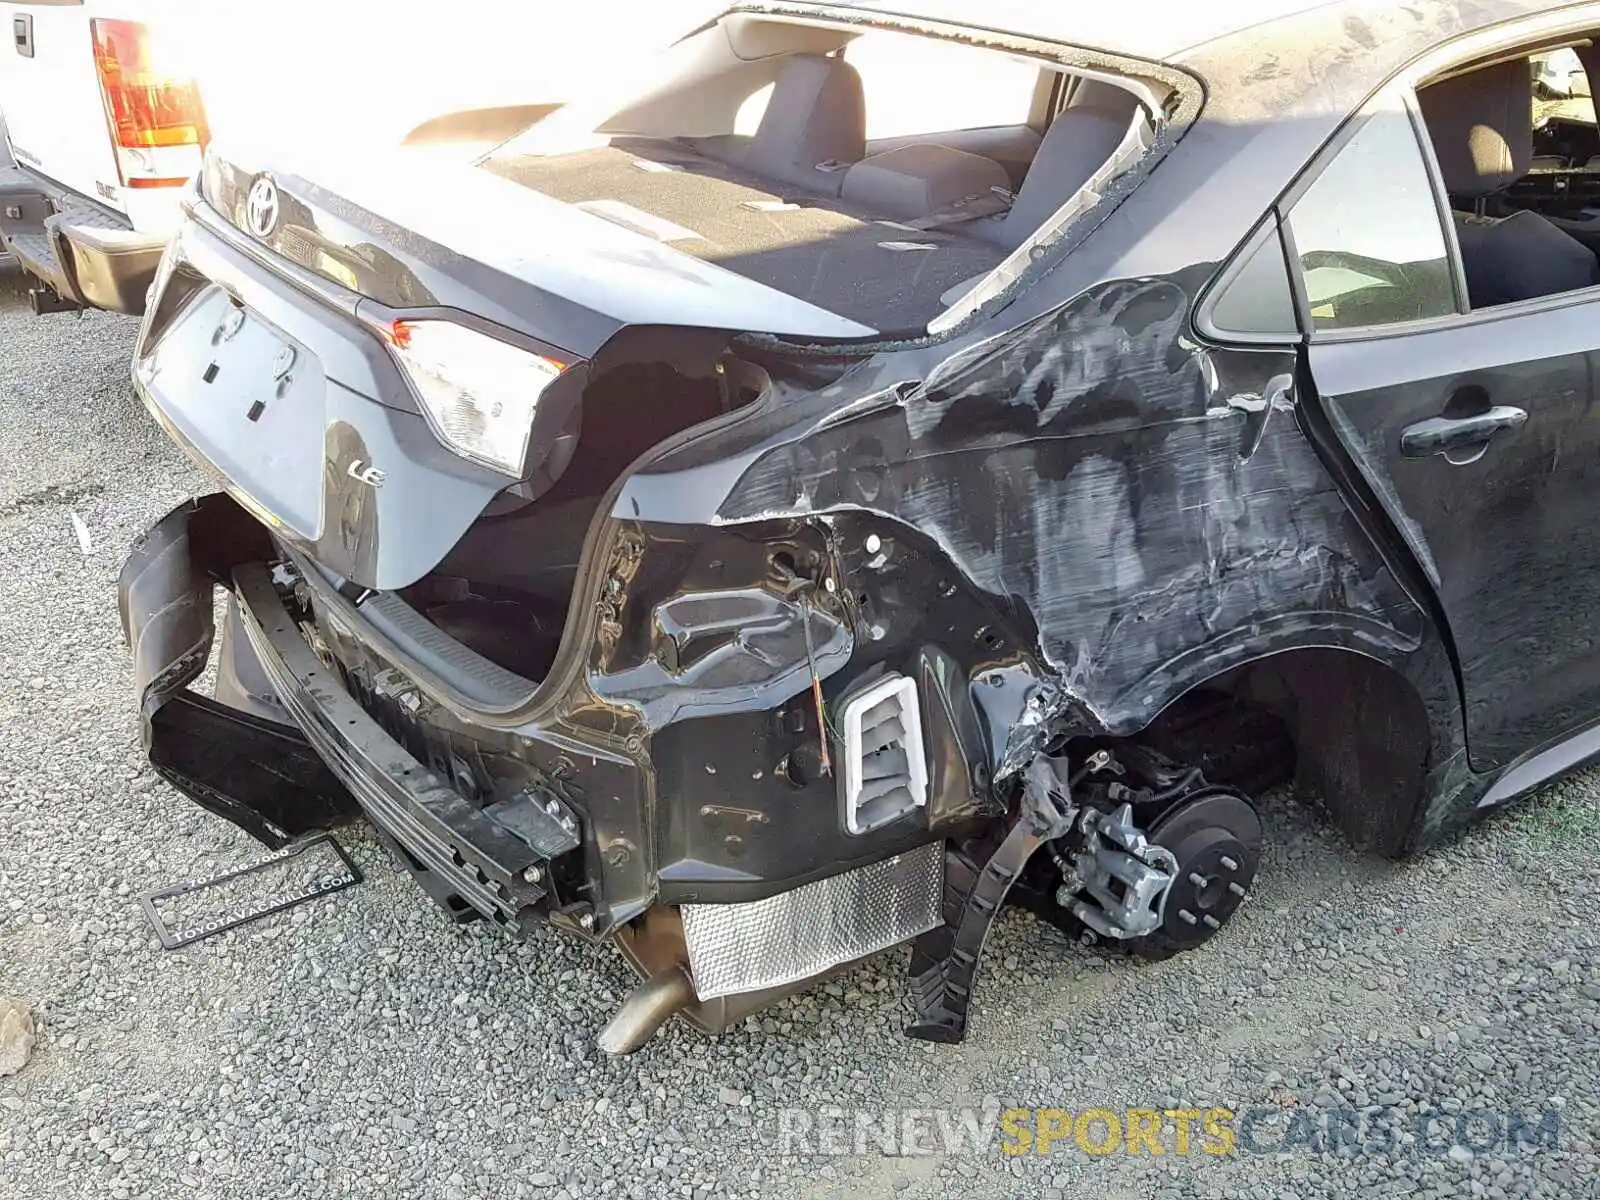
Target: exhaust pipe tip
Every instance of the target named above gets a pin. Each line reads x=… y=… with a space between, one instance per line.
x=648 y=1007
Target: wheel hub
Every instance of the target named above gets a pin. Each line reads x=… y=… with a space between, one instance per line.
x=1216 y=838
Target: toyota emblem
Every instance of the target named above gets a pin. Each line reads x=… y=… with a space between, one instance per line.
x=261 y=207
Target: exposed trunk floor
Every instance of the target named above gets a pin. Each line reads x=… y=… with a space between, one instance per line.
x=821 y=251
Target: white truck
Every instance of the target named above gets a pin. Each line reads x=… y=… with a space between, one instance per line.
x=109 y=104
x=105 y=125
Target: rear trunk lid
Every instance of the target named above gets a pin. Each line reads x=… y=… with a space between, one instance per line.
x=414 y=233
x=305 y=414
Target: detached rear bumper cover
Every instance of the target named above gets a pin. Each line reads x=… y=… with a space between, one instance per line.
x=277 y=781
x=257 y=773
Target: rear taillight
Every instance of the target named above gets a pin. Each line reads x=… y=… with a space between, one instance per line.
x=152 y=104
x=481 y=395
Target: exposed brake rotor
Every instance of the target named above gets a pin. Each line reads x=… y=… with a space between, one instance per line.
x=1156 y=859
x=1216 y=838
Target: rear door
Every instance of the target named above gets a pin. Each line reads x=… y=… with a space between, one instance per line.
x=1478 y=432
x=50 y=95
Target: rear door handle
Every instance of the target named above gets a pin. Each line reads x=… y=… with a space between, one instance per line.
x=1440 y=435
x=22 y=34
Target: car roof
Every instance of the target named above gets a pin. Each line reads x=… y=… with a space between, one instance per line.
x=1149 y=29
x=1155 y=29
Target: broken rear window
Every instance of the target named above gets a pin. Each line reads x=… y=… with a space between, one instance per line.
x=878 y=175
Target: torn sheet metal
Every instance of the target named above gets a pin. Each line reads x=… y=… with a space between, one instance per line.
x=1154 y=506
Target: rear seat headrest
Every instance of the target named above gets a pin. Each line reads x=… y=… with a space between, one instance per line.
x=1078 y=143
x=815 y=124
x=1097 y=93
x=1481 y=126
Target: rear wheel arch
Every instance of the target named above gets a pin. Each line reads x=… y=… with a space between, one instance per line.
x=1361 y=732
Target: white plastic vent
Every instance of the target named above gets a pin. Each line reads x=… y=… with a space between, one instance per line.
x=885 y=770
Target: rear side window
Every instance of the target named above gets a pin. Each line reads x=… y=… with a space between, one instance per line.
x=1253 y=297
x=1367 y=233
x=1561 y=91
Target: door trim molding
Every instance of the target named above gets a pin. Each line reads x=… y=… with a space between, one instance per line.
x=1544 y=766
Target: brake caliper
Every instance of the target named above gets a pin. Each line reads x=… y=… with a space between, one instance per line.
x=1125 y=878
x=1157 y=858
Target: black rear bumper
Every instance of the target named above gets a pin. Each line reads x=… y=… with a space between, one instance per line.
x=258 y=773
x=277 y=781
x=89 y=256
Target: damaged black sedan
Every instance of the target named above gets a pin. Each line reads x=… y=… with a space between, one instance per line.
x=882 y=467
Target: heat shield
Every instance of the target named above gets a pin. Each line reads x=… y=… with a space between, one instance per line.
x=768 y=943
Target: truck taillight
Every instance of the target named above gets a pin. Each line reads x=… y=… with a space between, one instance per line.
x=151 y=104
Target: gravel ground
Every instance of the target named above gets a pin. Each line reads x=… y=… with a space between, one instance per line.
x=362 y=1044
